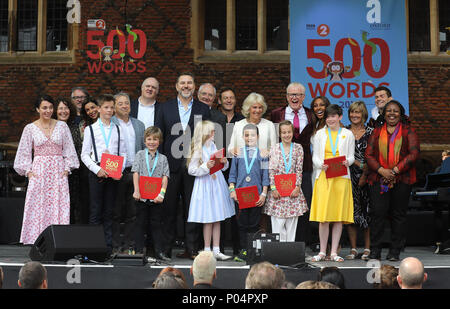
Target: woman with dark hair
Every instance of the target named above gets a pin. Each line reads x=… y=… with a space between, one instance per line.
x=332 y=200
x=66 y=111
x=319 y=106
x=46 y=155
x=392 y=150
x=89 y=114
x=332 y=275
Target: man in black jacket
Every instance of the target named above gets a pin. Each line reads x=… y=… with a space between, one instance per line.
x=177 y=119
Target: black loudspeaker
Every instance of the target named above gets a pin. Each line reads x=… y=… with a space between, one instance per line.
x=283 y=253
x=64 y=242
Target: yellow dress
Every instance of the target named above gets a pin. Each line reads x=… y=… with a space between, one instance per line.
x=332 y=199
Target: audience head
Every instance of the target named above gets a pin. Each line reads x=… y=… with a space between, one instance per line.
x=387 y=275
x=445 y=154
x=332 y=275
x=177 y=273
x=204 y=268
x=168 y=280
x=264 y=275
x=411 y=274
x=316 y=285
x=33 y=275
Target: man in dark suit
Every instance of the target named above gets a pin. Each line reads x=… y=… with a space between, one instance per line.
x=301 y=117
x=146 y=108
x=124 y=210
x=176 y=120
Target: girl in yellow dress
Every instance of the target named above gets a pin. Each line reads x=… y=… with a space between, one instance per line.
x=332 y=199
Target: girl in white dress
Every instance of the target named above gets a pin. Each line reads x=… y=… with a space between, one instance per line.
x=210 y=200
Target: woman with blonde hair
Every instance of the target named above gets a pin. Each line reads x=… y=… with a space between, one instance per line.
x=253 y=108
x=210 y=200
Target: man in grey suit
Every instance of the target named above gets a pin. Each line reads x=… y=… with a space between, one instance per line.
x=125 y=210
x=207 y=95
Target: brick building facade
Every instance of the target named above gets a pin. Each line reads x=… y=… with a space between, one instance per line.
x=169 y=33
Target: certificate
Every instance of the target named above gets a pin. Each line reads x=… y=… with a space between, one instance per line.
x=336 y=167
x=149 y=187
x=112 y=165
x=217 y=156
x=247 y=196
x=285 y=183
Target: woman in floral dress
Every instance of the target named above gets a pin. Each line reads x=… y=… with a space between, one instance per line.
x=46 y=155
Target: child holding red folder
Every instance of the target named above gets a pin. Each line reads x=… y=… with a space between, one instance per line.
x=286 y=201
x=249 y=169
x=210 y=203
x=102 y=137
x=149 y=213
x=332 y=199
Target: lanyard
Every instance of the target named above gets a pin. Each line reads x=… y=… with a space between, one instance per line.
x=148 y=164
x=107 y=140
x=287 y=166
x=247 y=167
x=334 y=145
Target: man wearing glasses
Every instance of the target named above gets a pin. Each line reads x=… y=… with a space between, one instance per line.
x=79 y=96
x=301 y=118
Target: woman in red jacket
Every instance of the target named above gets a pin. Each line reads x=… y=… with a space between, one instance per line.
x=391 y=153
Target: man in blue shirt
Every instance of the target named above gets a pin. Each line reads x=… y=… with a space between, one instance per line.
x=176 y=120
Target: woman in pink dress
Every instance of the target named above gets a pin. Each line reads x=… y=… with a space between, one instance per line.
x=46 y=155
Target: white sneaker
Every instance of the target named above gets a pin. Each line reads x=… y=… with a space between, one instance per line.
x=221 y=257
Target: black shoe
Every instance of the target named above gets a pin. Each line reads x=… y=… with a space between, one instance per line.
x=186 y=255
x=375 y=254
x=162 y=256
x=393 y=257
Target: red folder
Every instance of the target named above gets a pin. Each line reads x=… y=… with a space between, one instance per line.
x=112 y=165
x=150 y=187
x=285 y=183
x=336 y=167
x=247 y=196
x=217 y=156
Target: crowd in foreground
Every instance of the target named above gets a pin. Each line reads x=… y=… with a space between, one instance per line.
x=264 y=275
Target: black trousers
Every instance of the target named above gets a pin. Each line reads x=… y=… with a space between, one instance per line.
x=229 y=228
x=124 y=212
x=180 y=185
x=102 y=199
x=303 y=228
x=248 y=222
x=394 y=204
x=149 y=226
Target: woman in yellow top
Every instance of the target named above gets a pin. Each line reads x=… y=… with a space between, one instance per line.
x=332 y=199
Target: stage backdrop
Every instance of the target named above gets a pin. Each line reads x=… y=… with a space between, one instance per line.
x=345 y=49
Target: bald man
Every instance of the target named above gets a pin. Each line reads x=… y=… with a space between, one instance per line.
x=411 y=274
x=146 y=108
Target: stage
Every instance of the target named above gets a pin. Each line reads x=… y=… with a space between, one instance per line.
x=131 y=274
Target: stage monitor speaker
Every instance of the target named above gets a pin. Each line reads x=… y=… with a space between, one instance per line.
x=283 y=253
x=64 y=242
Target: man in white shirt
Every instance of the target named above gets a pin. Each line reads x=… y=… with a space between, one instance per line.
x=145 y=108
x=124 y=211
